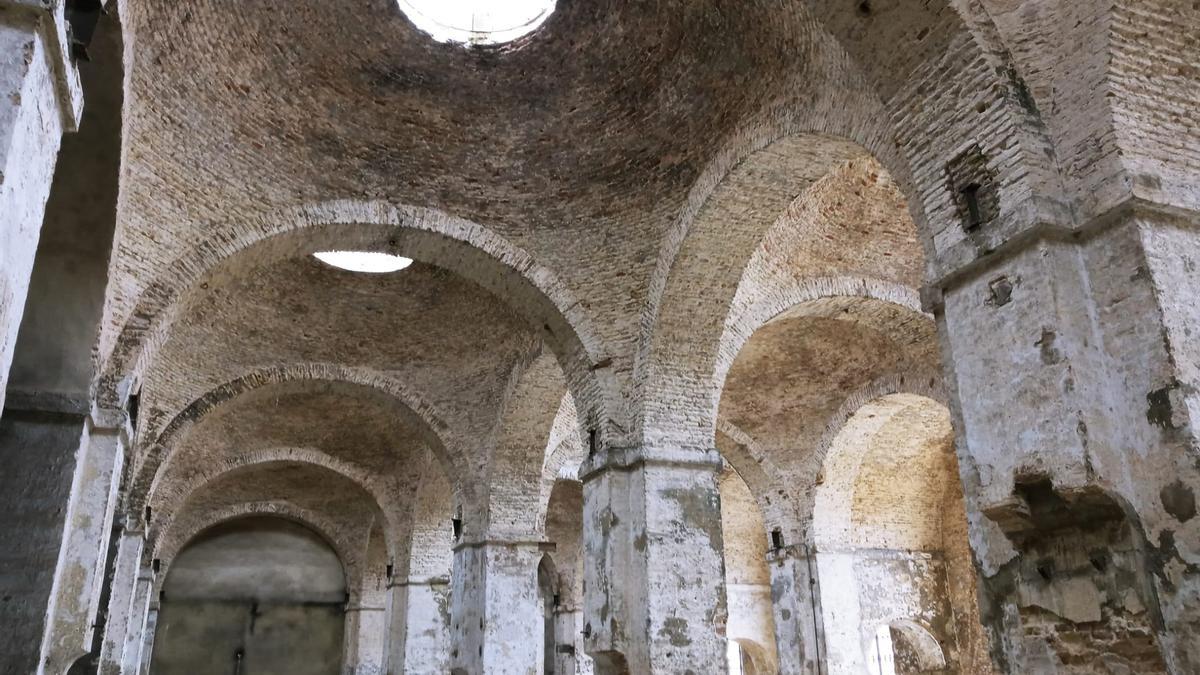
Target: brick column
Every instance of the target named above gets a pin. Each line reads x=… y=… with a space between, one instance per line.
x=496 y=621
x=654 y=599
x=40 y=98
x=79 y=574
x=1071 y=354
x=796 y=600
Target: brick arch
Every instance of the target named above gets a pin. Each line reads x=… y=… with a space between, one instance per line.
x=569 y=451
x=703 y=258
x=760 y=305
x=886 y=109
x=839 y=497
x=436 y=433
x=463 y=247
x=523 y=433
x=169 y=547
x=428 y=553
x=167 y=497
x=947 y=83
x=868 y=303
x=757 y=468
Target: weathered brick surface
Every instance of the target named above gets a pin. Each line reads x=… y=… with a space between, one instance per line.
x=650 y=230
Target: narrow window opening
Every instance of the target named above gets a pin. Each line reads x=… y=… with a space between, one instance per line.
x=970 y=194
x=132 y=408
x=456 y=524
x=593 y=442
x=776 y=539
x=148 y=513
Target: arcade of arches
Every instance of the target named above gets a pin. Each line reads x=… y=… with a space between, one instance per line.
x=818 y=337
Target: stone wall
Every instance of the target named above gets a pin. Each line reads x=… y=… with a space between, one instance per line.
x=40 y=454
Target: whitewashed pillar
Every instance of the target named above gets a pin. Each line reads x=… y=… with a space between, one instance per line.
x=366 y=631
x=40 y=99
x=654 y=570
x=497 y=622
x=796 y=600
x=79 y=574
x=419 y=629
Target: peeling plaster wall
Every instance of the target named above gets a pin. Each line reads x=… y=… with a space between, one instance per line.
x=264 y=588
x=564 y=528
x=60 y=324
x=31 y=125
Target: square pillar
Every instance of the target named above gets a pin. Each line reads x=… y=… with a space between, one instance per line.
x=40 y=448
x=796 y=599
x=79 y=574
x=569 y=655
x=139 y=630
x=654 y=571
x=1071 y=358
x=496 y=618
x=123 y=609
x=40 y=99
x=146 y=651
x=419 y=627
x=366 y=637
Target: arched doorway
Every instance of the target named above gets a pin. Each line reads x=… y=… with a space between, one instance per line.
x=897 y=580
x=252 y=595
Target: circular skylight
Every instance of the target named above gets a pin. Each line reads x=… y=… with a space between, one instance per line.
x=370 y=262
x=477 y=22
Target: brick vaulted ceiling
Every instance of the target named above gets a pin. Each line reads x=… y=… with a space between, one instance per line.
x=578 y=144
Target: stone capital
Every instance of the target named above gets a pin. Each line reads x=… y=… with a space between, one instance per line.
x=499 y=542
x=638 y=456
x=976 y=255
x=419 y=581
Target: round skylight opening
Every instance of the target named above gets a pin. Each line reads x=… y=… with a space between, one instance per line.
x=369 y=262
x=477 y=22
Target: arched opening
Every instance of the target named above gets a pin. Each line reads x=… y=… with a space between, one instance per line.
x=743 y=657
x=889 y=524
x=254 y=594
x=747 y=579
x=564 y=528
